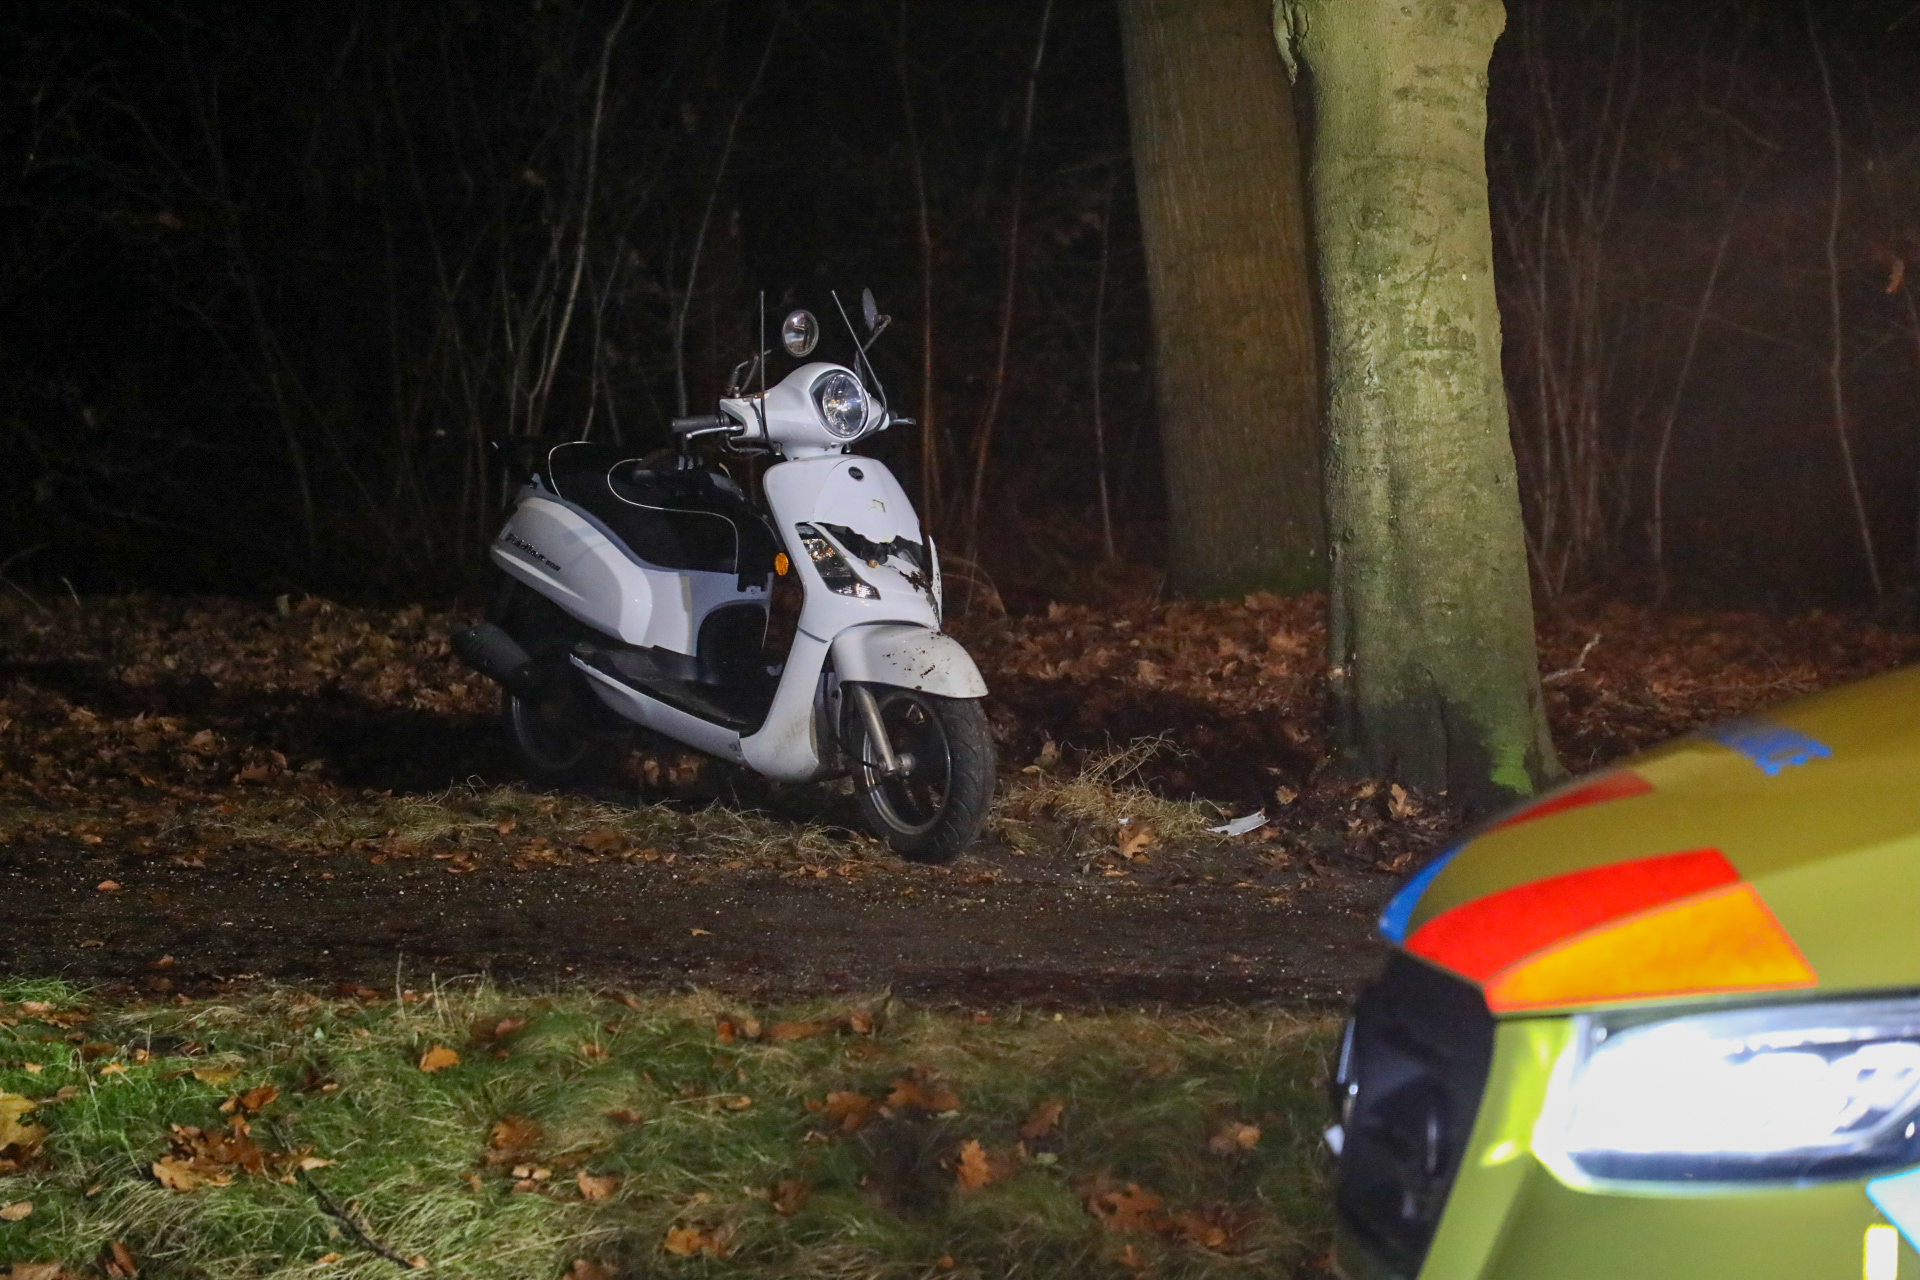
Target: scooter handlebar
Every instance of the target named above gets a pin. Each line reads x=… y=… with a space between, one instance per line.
x=701 y=422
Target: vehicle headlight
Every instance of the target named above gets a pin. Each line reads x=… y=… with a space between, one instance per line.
x=842 y=402
x=832 y=567
x=1783 y=1093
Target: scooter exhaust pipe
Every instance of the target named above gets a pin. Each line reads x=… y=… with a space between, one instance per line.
x=488 y=649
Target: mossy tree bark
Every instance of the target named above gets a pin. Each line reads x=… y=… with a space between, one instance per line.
x=1222 y=211
x=1435 y=673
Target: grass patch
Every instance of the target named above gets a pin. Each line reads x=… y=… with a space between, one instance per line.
x=666 y=1136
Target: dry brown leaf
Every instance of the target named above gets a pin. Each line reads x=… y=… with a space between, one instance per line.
x=846 y=1109
x=118 y=1261
x=511 y=1139
x=35 y=1271
x=585 y=1270
x=603 y=840
x=19 y=1142
x=920 y=1091
x=438 y=1058
x=253 y=1101
x=592 y=1188
x=684 y=1242
x=176 y=1174
x=1127 y=1210
x=1195 y=1229
x=216 y=1076
x=16 y=1211
x=700 y=933
x=795 y=1030
x=108 y=886
x=860 y=1022
x=1400 y=804
x=787 y=1195
x=326 y=1259
x=972 y=1171
x=1234 y=1137
x=1044 y=1119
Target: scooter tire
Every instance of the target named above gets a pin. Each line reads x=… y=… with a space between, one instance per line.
x=555 y=736
x=934 y=811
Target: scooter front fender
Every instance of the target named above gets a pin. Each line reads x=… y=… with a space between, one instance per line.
x=907 y=656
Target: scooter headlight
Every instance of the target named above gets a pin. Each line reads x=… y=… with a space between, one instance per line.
x=1784 y=1093
x=842 y=403
x=832 y=566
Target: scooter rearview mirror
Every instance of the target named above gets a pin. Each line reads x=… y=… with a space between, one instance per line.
x=800 y=333
x=869 y=310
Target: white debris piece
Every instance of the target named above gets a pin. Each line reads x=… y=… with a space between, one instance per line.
x=1240 y=826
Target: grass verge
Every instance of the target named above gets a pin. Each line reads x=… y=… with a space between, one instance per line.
x=584 y=1135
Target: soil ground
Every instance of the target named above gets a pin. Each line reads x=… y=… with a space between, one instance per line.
x=200 y=793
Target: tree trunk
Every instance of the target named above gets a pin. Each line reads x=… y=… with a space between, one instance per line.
x=1430 y=628
x=1217 y=167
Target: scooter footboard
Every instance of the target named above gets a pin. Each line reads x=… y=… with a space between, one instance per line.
x=908 y=657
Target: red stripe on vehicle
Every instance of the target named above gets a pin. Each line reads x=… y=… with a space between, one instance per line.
x=1479 y=939
x=1621 y=784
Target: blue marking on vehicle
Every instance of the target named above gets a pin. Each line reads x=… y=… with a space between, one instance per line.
x=1897 y=1197
x=1771 y=747
x=1394 y=920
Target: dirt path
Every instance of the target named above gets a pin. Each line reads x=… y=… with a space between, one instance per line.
x=1031 y=934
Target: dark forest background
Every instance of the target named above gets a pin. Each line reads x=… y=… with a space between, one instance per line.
x=272 y=274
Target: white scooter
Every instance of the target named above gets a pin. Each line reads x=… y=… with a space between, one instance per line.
x=654 y=592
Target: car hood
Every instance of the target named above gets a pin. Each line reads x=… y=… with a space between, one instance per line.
x=1777 y=853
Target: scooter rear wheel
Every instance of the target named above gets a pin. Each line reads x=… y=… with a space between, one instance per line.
x=554 y=731
x=935 y=806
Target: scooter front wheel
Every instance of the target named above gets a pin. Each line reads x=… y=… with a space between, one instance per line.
x=933 y=800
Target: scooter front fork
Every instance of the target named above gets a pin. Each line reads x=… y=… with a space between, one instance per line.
x=892 y=764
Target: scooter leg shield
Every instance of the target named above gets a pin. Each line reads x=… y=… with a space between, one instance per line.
x=907 y=656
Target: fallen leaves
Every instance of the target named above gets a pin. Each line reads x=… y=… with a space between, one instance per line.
x=975 y=1168
x=602 y=840
x=199 y=1157
x=19 y=1142
x=1233 y=1138
x=118 y=1261
x=1135 y=837
x=787 y=1195
x=18 y=1211
x=253 y=1101
x=844 y=1109
x=596 y=1188
x=512 y=1140
x=685 y=1242
x=920 y=1090
x=1043 y=1120
x=796 y=1030
x=1133 y=1210
x=108 y=886
x=727 y=1030
x=438 y=1058
x=35 y=1271
x=1126 y=1209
